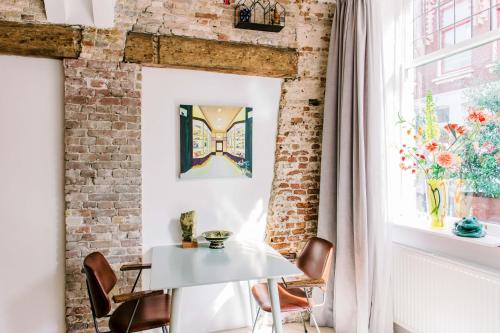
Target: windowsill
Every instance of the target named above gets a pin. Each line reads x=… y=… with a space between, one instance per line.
x=492 y=238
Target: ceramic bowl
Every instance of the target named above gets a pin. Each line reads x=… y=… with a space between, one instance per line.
x=216 y=238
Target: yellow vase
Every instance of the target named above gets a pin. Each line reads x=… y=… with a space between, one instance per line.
x=436 y=202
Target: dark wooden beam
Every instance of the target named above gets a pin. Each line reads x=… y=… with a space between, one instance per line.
x=40 y=40
x=210 y=55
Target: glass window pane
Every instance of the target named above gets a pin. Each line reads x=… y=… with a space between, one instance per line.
x=447 y=15
x=456 y=62
x=462 y=9
x=418 y=8
x=481 y=23
x=430 y=4
x=431 y=42
x=418 y=48
x=430 y=21
x=474 y=186
x=495 y=15
x=480 y=5
x=463 y=31
x=447 y=37
x=418 y=28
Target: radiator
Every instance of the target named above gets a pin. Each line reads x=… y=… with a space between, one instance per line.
x=433 y=294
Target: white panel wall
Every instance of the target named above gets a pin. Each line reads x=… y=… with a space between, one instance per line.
x=31 y=195
x=239 y=205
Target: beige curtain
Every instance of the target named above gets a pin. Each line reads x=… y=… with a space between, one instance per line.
x=353 y=177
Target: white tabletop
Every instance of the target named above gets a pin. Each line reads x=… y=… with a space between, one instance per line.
x=175 y=267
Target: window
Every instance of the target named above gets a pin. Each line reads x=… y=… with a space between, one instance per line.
x=455 y=71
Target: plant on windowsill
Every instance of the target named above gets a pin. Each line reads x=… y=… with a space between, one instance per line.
x=432 y=150
x=480 y=167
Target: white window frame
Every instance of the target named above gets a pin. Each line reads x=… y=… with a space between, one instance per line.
x=406 y=93
x=440 y=54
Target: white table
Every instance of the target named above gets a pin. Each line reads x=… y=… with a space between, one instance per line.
x=175 y=268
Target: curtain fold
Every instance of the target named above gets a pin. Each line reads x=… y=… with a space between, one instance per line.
x=353 y=177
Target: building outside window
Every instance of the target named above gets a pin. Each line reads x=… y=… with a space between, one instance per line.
x=456 y=63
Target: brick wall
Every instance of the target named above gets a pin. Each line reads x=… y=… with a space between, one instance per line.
x=22 y=10
x=293 y=209
x=102 y=117
x=103 y=173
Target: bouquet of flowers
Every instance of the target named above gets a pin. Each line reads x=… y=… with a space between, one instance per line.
x=438 y=151
x=430 y=148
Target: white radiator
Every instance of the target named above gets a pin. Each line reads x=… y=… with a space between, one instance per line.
x=433 y=294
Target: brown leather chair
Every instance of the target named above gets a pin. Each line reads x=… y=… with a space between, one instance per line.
x=138 y=311
x=295 y=296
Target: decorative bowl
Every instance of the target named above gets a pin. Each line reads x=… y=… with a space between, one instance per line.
x=216 y=238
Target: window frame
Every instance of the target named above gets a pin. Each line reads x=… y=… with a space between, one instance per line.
x=441 y=53
x=442 y=63
x=400 y=184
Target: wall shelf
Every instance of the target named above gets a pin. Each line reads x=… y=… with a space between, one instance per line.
x=260 y=15
x=259 y=26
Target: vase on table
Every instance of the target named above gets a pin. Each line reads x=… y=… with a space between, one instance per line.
x=436 y=202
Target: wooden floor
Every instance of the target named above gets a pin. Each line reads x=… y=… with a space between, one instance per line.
x=288 y=328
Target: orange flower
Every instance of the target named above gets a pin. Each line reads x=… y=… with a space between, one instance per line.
x=461 y=130
x=451 y=127
x=445 y=159
x=431 y=146
x=454 y=128
x=478 y=116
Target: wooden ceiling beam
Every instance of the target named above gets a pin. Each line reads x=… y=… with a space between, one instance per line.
x=210 y=55
x=40 y=40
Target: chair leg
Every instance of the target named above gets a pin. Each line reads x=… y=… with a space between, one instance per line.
x=164 y=329
x=256 y=319
x=314 y=322
x=303 y=321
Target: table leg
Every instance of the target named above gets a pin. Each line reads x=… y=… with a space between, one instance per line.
x=275 y=304
x=175 y=312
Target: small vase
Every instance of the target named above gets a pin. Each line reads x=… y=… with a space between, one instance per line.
x=462 y=199
x=436 y=202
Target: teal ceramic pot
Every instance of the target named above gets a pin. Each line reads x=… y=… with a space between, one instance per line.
x=469 y=227
x=216 y=238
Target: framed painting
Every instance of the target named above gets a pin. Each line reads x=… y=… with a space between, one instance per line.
x=215 y=141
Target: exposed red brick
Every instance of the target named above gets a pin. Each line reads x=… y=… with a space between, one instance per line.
x=207 y=16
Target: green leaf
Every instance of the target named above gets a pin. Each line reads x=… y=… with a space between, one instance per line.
x=431 y=125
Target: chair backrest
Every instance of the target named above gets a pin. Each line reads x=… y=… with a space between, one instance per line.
x=315 y=260
x=100 y=281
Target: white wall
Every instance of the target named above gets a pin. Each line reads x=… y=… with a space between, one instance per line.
x=239 y=205
x=31 y=195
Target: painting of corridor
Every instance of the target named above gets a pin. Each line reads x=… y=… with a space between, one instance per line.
x=215 y=141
